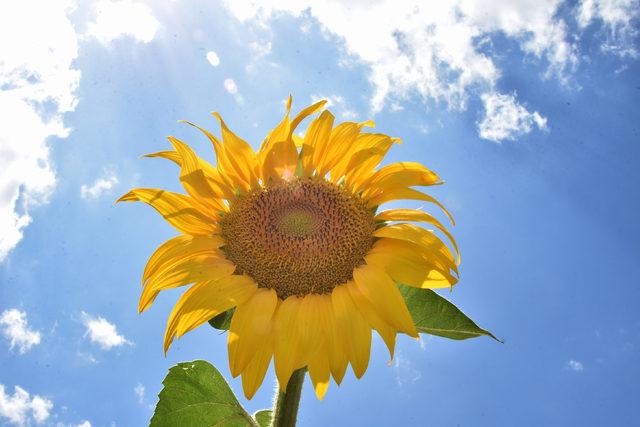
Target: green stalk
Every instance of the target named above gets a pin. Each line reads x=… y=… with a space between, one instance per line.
x=285 y=410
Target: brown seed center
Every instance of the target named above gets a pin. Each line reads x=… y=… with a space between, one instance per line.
x=298 y=237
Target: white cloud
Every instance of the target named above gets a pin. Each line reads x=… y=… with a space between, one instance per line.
x=230 y=86
x=339 y=104
x=120 y=18
x=575 y=366
x=100 y=186
x=37 y=86
x=505 y=119
x=139 y=391
x=84 y=423
x=405 y=371
x=101 y=332
x=20 y=408
x=432 y=49
x=617 y=18
x=213 y=58
x=16 y=329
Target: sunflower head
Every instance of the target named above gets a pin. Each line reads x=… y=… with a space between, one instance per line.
x=292 y=238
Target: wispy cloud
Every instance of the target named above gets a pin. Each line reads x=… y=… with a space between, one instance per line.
x=339 y=104
x=102 y=332
x=405 y=371
x=100 y=186
x=575 y=365
x=432 y=50
x=21 y=408
x=15 y=328
x=139 y=392
x=121 y=18
x=617 y=17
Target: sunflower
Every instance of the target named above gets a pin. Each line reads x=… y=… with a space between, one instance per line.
x=291 y=238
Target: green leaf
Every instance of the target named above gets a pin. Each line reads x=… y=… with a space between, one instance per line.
x=264 y=417
x=223 y=320
x=195 y=394
x=435 y=315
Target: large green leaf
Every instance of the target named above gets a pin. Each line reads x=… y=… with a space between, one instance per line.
x=435 y=315
x=195 y=394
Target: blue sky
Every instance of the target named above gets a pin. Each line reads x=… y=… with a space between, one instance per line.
x=528 y=110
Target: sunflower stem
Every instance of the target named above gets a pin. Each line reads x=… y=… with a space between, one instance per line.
x=285 y=410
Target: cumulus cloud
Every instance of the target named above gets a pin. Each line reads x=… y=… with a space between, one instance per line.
x=101 y=332
x=121 y=18
x=20 y=408
x=506 y=119
x=213 y=58
x=100 y=186
x=431 y=49
x=37 y=86
x=617 y=17
x=575 y=366
x=16 y=329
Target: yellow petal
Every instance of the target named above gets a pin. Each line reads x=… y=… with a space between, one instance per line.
x=220 y=184
x=418 y=216
x=338 y=360
x=407 y=194
x=341 y=141
x=180 y=247
x=420 y=236
x=384 y=296
x=268 y=155
x=169 y=155
x=281 y=161
x=250 y=329
x=253 y=374
x=353 y=330
x=226 y=164
x=316 y=141
x=313 y=351
x=423 y=257
x=312 y=109
x=387 y=332
x=204 y=301
x=240 y=154
x=400 y=174
x=410 y=272
x=286 y=340
x=177 y=209
x=363 y=162
x=194 y=180
x=184 y=271
x=319 y=372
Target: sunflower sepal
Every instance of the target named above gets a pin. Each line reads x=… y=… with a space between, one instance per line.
x=223 y=320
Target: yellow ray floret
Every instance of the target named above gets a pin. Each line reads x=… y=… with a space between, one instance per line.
x=288 y=236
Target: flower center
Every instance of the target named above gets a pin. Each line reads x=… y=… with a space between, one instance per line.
x=298 y=237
